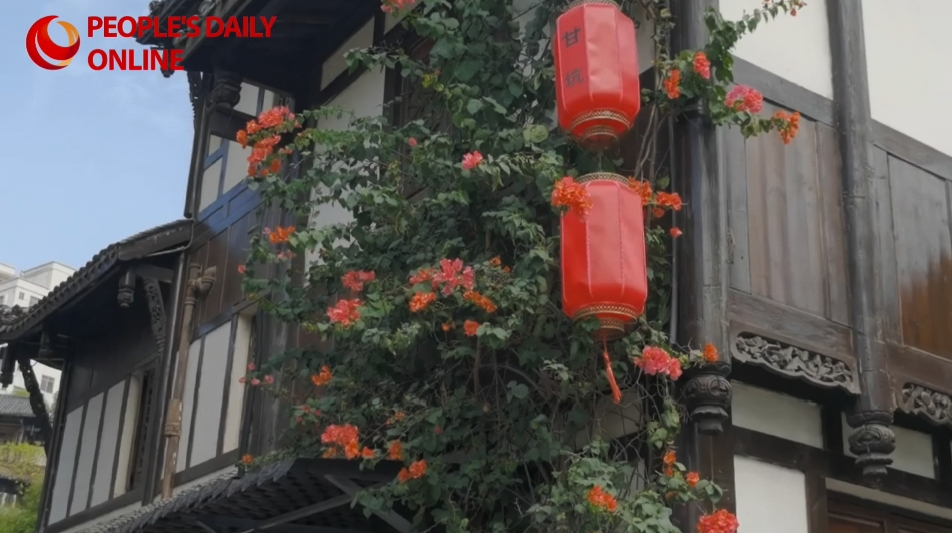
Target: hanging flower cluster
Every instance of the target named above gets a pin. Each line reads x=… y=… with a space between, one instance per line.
x=344 y=312
x=354 y=280
x=472 y=160
x=416 y=471
x=654 y=361
x=721 y=521
x=602 y=500
x=263 y=134
x=279 y=235
x=702 y=67
x=322 y=378
x=744 y=99
x=572 y=195
x=344 y=437
x=789 y=124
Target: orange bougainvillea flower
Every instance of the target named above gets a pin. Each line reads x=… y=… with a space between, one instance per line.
x=421 y=301
x=495 y=261
x=323 y=378
x=448 y=325
x=602 y=500
x=643 y=189
x=247 y=459
x=568 y=193
x=344 y=436
x=675 y=232
x=692 y=478
x=470 y=327
x=422 y=276
x=657 y=212
x=344 y=312
x=395 y=451
x=416 y=471
x=367 y=453
x=702 y=66
x=669 y=459
x=330 y=453
x=389 y=6
x=721 y=521
x=480 y=301
x=355 y=279
x=669 y=200
x=789 y=125
x=710 y=354
x=472 y=160
x=280 y=235
x=242 y=138
x=672 y=84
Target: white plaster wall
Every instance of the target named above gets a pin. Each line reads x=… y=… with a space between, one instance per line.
x=127 y=438
x=335 y=65
x=906 y=57
x=87 y=454
x=913 y=450
x=776 y=414
x=108 y=444
x=248 y=102
x=190 y=374
x=59 y=503
x=796 y=48
x=769 y=498
x=236 y=391
x=211 y=391
x=209 y=190
x=236 y=165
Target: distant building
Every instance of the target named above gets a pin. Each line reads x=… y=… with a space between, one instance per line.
x=25 y=289
x=31 y=285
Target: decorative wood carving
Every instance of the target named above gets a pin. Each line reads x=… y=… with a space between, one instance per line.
x=36 y=395
x=794 y=362
x=127 y=288
x=226 y=91
x=707 y=396
x=157 y=316
x=934 y=406
x=872 y=440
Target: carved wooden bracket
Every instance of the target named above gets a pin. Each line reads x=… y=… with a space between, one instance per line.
x=226 y=91
x=157 y=316
x=933 y=406
x=793 y=362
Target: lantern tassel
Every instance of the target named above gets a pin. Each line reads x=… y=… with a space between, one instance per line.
x=616 y=392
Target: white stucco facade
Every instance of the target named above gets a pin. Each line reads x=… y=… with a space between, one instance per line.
x=24 y=289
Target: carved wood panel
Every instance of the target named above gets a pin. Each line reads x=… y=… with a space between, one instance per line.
x=786 y=232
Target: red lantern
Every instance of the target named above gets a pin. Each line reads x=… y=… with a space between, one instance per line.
x=596 y=72
x=604 y=269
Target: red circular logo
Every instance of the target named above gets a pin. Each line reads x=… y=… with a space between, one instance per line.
x=39 y=44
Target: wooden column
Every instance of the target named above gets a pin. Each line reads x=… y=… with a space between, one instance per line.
x=872 y=439
x=701 y=283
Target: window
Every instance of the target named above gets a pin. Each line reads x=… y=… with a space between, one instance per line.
x=21 y=296
x=46 y=384
x=34 y=300
x=2 y=299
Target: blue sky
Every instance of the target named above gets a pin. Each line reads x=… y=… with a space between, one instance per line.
x=91 y=157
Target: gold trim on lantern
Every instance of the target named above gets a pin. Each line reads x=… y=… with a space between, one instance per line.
x=613 y=309
x=593 y=138
x=601 y=115
x=603 y=176
x=577 y=3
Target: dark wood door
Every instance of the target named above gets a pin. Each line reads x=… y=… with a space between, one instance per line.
x=849 y=518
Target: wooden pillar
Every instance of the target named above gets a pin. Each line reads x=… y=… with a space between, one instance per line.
x=872 y=439
x=705 y=444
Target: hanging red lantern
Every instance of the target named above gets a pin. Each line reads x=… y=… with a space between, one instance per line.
x=596 y=72
x=604 y=266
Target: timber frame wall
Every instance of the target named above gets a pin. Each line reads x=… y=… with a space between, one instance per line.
x=857 y=353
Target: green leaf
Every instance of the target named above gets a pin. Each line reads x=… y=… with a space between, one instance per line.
x=474 y=106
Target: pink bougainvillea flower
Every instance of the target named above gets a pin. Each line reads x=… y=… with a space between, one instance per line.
x=654 y=361
x=412 y=142
x=472 y=160
x=344 y=312
x=355 y=279
x=743 y=98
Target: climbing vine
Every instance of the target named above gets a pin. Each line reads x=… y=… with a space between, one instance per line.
x=436 y=290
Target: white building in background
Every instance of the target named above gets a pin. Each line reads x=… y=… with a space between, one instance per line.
x=25 y=289
x=30 y=286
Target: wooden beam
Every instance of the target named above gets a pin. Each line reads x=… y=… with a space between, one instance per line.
x=872 y=439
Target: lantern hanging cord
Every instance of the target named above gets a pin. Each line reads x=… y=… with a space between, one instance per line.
x=616 y=392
